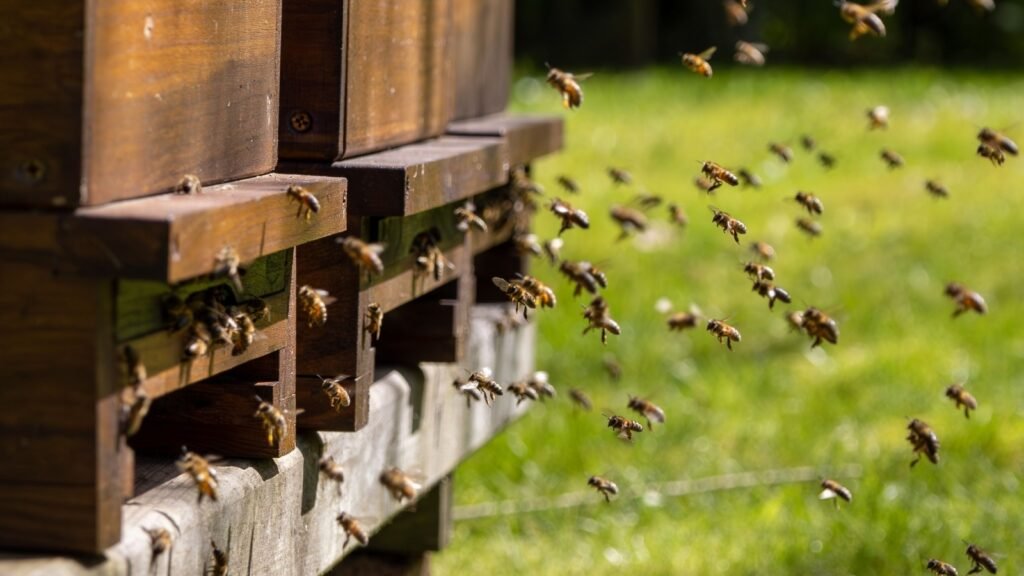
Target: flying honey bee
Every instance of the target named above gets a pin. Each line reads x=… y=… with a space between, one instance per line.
x=892 y=159
x=257 y=309
x=336 y=393
x=749 y=178
x=517 y=294
x=936 y=189
x=539 y=382
x=750 y=53
x=605 y=487
x=488 y=386
x=612 y=367
x=864 y=18
x=332 y=470
x=159 y=542
x=827 y=160
x=832 y=490
x=620 y=176
x=469 y=390
x=647 y=201
x=570 y=217
x=135 y=407
x=728 y=224
x=189 y=184
x=598 y=318
x=218 y=564
x=629 y=220
x=680 y=321
x=811 y=202
x=365 y=256
x=759 y=271
x=966 y=300
x=275 y=425
x=523 y=392
x=623 y=427
x=542 y=294
x=941 y=568
x=979 y=560
x=568 y=85
x=677 y=216
x=399 y=484
x=580 y=398
x=429 y=256
x=819 y=326
x=585 y=275
x=808 y=143
x=924 y=441
x=352 y=529
x=198 y=468
x=227 y=263
x=809 y=227
x=785 y=153
x=649 y=410
x=553 y=250
x=717 y=175
x=699 y=62
x=995 y=155
x=246 y=334
x=998 y=141
x=527 y=244
x=373 y=320
x=308 y=202
x=878 y=117
x=959 y=395
x=769 y=290
x=468 y=219
x=568 y=184
x=313 y=303
x=724 y=331
x=763 y=250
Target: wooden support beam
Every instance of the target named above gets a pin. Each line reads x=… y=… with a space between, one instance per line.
x=526 y=137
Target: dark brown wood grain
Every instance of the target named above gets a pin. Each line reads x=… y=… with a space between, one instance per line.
x=121 y=99
x=367 y=74
x=526 y=137
x=482 y=54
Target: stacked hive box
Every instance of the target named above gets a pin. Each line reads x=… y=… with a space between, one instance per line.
x=137 y=95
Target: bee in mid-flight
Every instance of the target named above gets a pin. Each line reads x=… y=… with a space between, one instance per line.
x=735 y=15
x=759 y=271
x=541 y=292
x=819 y=326
x=606 y=487
x=580 y=398
x=483 y=380
x=924 y=441
x=966 y=300
x=679 y=321
x=539 y=382
x=763 y=250
x=749 y=178
x=620 y=176
x=273 y=420
x=218 y=565
x=699 y=62
x=308 y=203
x=516 y=293
x=785 y=153
x=716 y=174
x=364 y=255
x=724 y=331
x=330 y=468
x=864 y=18
x=313 y=303
x=585 y=275
x=629 y=220
x=811 y=202
x=570 y=217
x=827 y=160
x=198 y=468
x=227 y=263
x=649 y=410
x=352 y=529
x=336 y=393
x=935 y=188
x=373 y=320
x=568 y=184
x=958 y=394
x=750 y=53
x=892 y=159
x=553 y=250
x=677 y=216
x=830 y=489
x=941 y=568
x=769 y=290
x=998 y=141
x=468 y=218
x=429 y=256
x=809 y=227
x=159 y=542
x=979 y=560
x=599 y=318
x=808 y=143
x=995 y=155
x=399 y=484
x=878 y=117
x=623 y=427
x=728 y=224
x=568 y=85
x=523 y=392
x=135 y=407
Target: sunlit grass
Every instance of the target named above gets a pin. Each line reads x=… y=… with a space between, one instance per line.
x=887 y=251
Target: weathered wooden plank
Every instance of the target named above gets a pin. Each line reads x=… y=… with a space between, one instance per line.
x=107 y=84
x=526 y=137
x=427 y=528
x=482 y=54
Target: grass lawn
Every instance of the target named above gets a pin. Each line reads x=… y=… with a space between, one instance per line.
x=880 y=267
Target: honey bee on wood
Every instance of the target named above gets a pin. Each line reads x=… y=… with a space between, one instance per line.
x=759 y=271
x=936 y=189
x=677 y=216
x=979 y=560
x=749 y=178
x=827 y=160
x=313 y=303
x=769 y=290
x=811 y=202
x=580 y=398
x=399 y=484
x=352 y=529
x=785 y=153
x=598 y=318
x=568 y=85
x=819 y=326
x=469 y=390
x=527 y=244
x=176 y=313
x=966 y=300
x=762 y=250
x=429 y=256
x=373 y=320
x=878 y=117
x=809 y=227
x=308 y=202
x=717 y=175
x=198 y=342
x=245 y=335
x=198 y=468
x=724 y=331
x=189 y=184
x=218 y=565
x=750 y=53
x=612 y=367
x=605 y=487
x=517 y=294
x=864 y=18
x=892 y=159
x=924 y=441
x=257 y=309
x=585 y=275
x=941 y=568
x=332 y=470
x=629 y=220
x=568 y=184
x=542 y=294
x=728 y=224
x=995 y=155
x=273 y=420
x=365 y=256
x=135 y=407
x=522 y=391
x=336 y=393
x=650 y=411
x=468 y=219
x=620 y=176
x=998 y=141
x=832 y=490
x=570 y=217
x=699 y=62
x=959 y=395
x=227 y=263
x=553 y=250
x=539 y=382
x=159 y=542
x=623 y=427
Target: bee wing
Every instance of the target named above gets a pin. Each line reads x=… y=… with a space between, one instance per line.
x=827 y=494
x=486 y=371
x=326 y=297
x=581 y=77
x=706 y=55
x=377 y=248
x=540 y=376
x=760 y=47
x=501 y=283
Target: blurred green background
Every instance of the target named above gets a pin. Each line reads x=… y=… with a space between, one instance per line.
x=773 y=403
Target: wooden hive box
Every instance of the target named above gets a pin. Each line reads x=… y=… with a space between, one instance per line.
x=482 y=52
x=111 y=100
